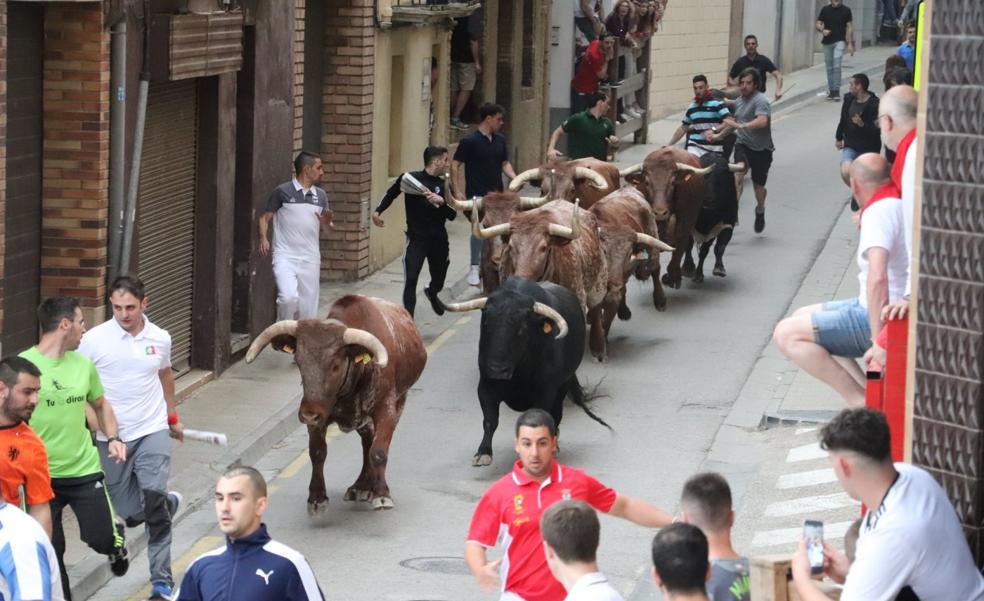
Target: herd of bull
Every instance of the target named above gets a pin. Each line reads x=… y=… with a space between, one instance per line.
x=551 y=266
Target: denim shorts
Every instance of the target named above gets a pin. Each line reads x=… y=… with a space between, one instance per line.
x=842 y=328
x=849 y=154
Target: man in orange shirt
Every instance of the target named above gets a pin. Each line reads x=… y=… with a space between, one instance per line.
x=24 y=461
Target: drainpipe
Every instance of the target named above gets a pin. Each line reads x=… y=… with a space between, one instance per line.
x=130 y=210
x=117 y=147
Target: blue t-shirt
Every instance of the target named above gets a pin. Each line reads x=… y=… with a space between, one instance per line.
x=908 y=53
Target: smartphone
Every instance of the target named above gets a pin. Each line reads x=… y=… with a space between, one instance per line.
x=813 y=533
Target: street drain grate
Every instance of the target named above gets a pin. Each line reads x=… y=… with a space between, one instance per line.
x=440 y=565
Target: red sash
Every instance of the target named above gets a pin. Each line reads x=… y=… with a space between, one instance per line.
x=900 y=153
x=887 y=190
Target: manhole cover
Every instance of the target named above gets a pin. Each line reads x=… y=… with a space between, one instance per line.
x=441 y=565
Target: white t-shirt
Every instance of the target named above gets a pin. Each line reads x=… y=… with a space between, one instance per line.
x=28 y=558
x=914 y=539
x=882 y=226
x=296 y=228
x=909 y=208
x=592 y=587
x=128 y=367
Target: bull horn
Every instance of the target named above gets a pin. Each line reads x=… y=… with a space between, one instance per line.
x=550 y=313
x=653 y=242
x=563 y=231
x=470 y=305
x=596 y=179
x=736 y=167
x=686 y=167
x=630 y=170
x=364 y=338
x=520 y=180
x=288 y=327
x=460 y=205
x=532 y=202
x=486 y=233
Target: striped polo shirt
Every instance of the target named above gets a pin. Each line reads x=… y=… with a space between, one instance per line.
x=700 y=117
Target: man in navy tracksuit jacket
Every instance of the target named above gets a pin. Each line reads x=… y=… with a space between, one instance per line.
x=251 y=566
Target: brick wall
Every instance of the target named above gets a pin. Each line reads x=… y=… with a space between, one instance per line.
x=3 y=145
x=76 y=154
x=347 y=110
x=298 y=75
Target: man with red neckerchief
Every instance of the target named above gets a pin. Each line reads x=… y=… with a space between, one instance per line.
x=897 y=120
x=509 y=513
x=824 y=339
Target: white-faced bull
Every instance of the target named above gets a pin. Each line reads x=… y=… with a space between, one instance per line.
x=356 y=368
x=531 y=344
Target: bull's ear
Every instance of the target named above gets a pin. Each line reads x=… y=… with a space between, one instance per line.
x=285 y=343
x=636 y=179
x=683 y=176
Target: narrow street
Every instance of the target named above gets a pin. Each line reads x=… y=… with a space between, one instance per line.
x=671 y=381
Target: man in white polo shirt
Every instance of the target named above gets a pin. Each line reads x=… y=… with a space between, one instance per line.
x=298 y=210
x=133 y=358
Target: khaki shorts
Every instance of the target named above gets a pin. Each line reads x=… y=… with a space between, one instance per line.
x=463 y=76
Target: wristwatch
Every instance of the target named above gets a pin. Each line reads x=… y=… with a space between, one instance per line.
x=112 y=438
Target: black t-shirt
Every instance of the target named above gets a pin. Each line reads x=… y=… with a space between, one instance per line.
x=835 y=19
x=423 y=218
x=483 y=160
x=466 y=30
x=761 y=63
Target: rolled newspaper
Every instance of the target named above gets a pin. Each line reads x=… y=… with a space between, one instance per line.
x=410 y=185
x=216 y=438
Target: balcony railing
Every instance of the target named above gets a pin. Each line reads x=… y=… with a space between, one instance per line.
x=393 y=12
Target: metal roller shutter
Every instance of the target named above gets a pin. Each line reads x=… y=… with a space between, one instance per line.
x=166 y=212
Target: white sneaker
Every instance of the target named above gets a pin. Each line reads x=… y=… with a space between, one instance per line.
x=626 y=116
x=634 y=113
x=474 y=278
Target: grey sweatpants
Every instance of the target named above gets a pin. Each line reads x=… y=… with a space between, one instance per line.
x=138 y=489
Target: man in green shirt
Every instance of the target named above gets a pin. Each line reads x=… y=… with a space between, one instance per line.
x=69 y=382
x=590 y=132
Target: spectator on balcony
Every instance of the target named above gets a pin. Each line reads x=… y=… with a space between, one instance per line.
x=620 y=24
x=706 y=503
x=911 y=545
x=466 y=63
x=591 y=69
x=824 y=339
x=587 y=18
x=760 y=62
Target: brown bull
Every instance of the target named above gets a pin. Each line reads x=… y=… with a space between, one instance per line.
x=588 y=179
x=672 y=180
x=629 y=236
x=540 y=249
x=356 y=368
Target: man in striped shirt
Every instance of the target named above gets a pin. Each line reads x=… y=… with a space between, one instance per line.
x=703 y=115
x=28 y=565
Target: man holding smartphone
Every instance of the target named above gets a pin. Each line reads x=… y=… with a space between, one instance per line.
x=911 y=542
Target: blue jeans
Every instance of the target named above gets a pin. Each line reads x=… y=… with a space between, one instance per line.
x=586 y=27
x=475 y=246
x=833 y=55
x=842 y=328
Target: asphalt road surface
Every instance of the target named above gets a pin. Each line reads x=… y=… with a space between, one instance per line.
x=670 y=380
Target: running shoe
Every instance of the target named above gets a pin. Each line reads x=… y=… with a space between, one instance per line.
x=160 y=590
x=435 y=302
x=474 y=277
x=174 y=499
x=119 y=562
x=759 y=221
x=458 y=124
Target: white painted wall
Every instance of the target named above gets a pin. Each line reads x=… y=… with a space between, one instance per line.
x=561 y=52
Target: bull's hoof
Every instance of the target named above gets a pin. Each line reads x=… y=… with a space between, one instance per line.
x=699 y=277
x=357 y=494
x=719 y=270
x=671 y=281
x=382 y=503
x=481 y=460
x=688 y=270
x=624 y=313
x=600 y=358
x=317 y=508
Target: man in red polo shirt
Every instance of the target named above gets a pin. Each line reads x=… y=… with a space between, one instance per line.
x=510 y=510
x=592 y=68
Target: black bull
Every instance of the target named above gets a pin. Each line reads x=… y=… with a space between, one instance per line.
x=717 y=218
x=531 y=344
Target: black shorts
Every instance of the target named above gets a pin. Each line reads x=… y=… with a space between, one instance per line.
x=758 y=161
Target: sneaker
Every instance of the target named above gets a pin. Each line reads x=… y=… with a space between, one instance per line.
x=160 y=590
x=635 y=114
x=719 y=270
x=457 y=123
x=824 y=94
x=626 y=117
x=435 y=302
x=474 y=277
x=759 y=222
x=174 y=499
x=119 y=562
x=834 y=96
